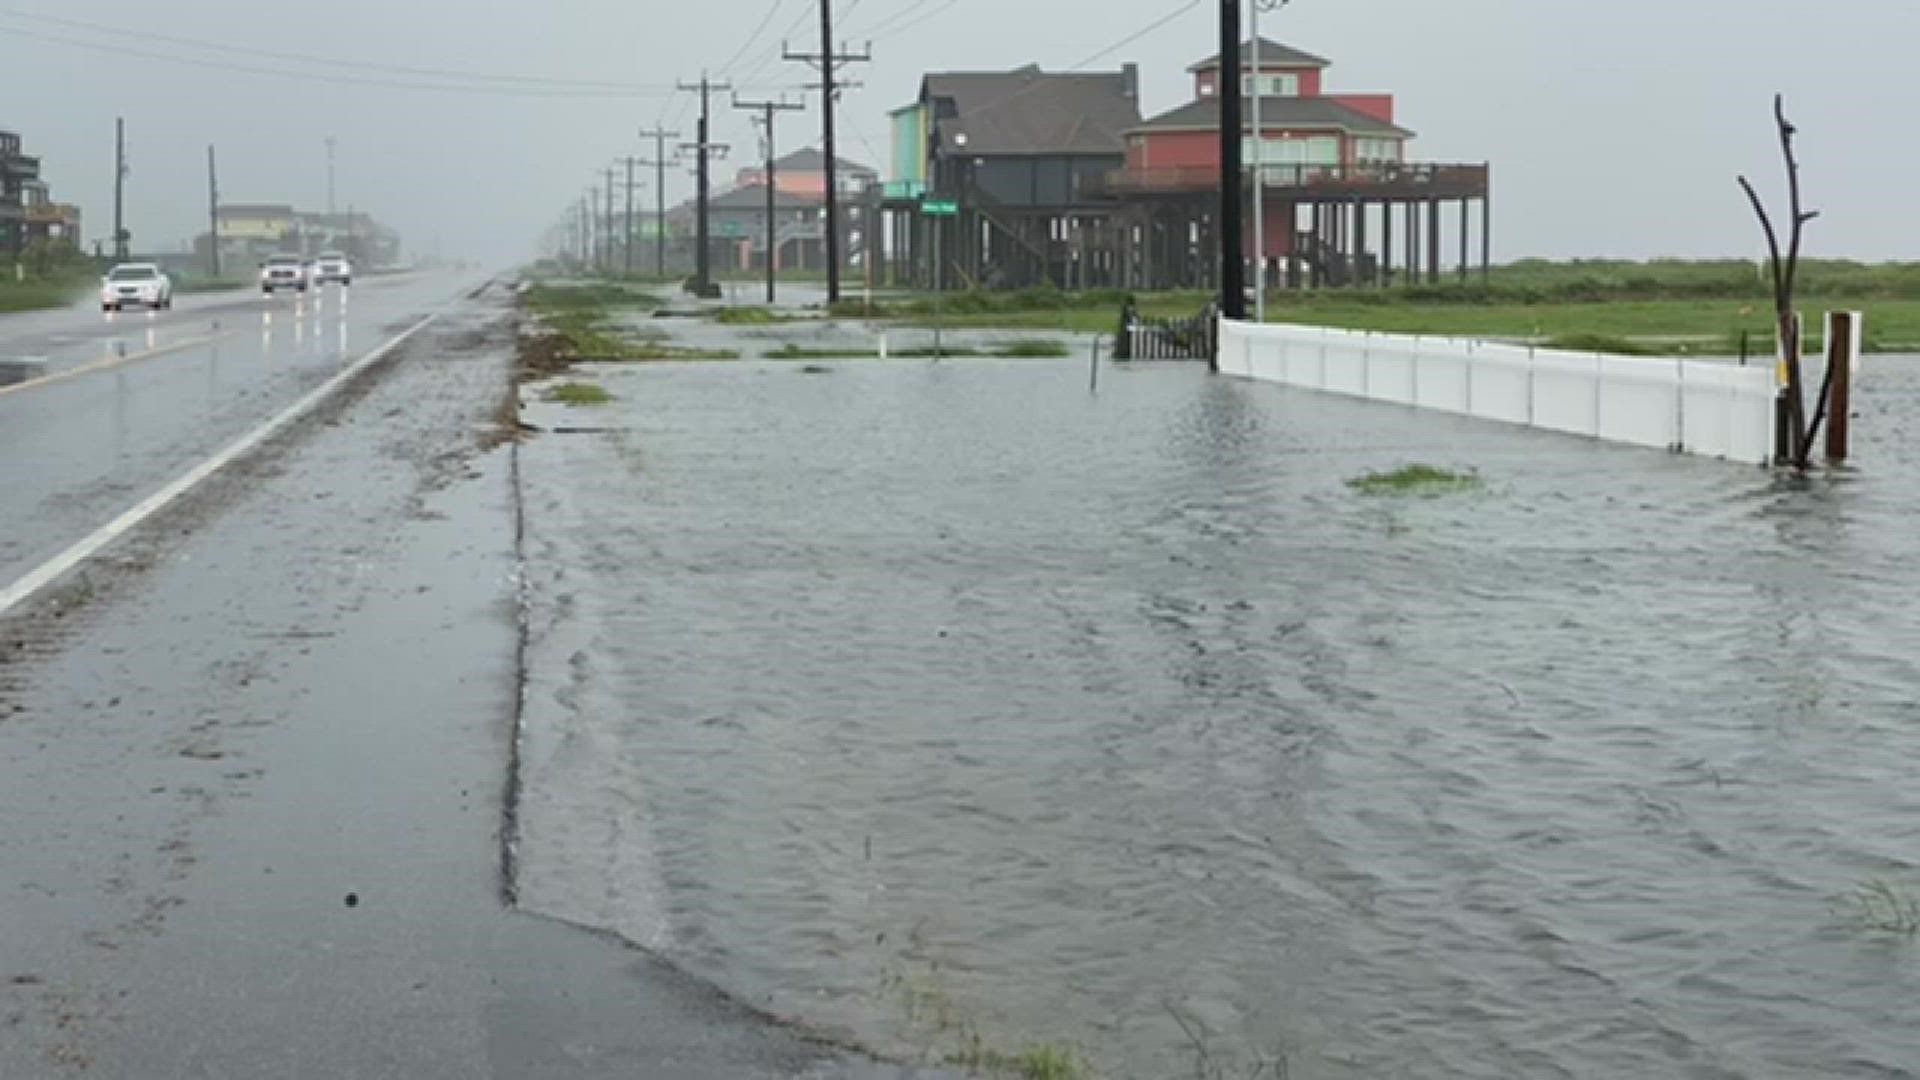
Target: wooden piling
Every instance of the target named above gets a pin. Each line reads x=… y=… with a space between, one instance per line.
x=1840 y=345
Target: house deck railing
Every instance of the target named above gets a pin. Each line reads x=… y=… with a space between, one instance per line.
x=1453 y=180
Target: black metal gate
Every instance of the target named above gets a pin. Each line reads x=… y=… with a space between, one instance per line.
x=1191 y=338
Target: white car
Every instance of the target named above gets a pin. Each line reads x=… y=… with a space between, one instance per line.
x=136 y=283
x=332 y=266
x=284 y=272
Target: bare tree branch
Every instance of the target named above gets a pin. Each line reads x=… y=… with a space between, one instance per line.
x=1773 y=239
x=1820 y=405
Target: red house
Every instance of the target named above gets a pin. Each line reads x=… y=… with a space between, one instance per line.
x=1339 y=158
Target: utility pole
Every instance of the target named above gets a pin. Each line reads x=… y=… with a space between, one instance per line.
x=829 y=90
x=213 y=213
x=659 y=163
x=767 y=109
x=119 y=189
x=330 y=145
x=702 y=283
x=606 y=230
x=594 y=239
x=1259 y=166
x=1233 y=290
x=630 y=163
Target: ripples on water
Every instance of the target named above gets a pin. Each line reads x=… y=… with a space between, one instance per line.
x=917 y=699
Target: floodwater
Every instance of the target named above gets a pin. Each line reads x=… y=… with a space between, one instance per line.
x=933 y=701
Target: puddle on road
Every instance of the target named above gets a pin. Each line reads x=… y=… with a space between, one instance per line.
x=931 y=701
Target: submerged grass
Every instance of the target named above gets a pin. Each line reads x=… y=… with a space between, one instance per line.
x=1883 y=906
x=578 y=393
x=1415 y=480
x=548 y=297
x=1042 y=1061
x=1022 y=349
x=751 y=316
x=578 y=318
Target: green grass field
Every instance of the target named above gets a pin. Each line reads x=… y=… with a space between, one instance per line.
x=36 y=294
x=1663 y=306
x=1701 y=308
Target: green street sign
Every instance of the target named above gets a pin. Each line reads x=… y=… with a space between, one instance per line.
x=939 y=207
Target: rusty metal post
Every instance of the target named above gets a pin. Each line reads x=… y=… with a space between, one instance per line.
x=1840 y=345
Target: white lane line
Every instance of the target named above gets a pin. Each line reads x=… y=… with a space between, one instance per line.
x=115 y=361
x=50 y=571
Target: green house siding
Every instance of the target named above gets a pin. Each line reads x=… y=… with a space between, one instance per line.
x=910 y=145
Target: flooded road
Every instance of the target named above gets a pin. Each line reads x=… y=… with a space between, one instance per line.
x=933 y=702
x=253 y=770
x=131 y=401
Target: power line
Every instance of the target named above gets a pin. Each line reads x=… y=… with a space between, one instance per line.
x=329 y=62
x=347 y=80
x=1156 y=24
x=887 y=21
x=774 y=54
x=765 y=21
x=897 y=30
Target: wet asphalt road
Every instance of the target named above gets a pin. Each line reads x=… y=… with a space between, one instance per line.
x=254 y=761
x=77 y=451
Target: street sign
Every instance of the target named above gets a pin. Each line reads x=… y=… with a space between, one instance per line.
x=939 y=207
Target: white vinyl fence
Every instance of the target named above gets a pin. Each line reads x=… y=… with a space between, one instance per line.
x=1696 y=406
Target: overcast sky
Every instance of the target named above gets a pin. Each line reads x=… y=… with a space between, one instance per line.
x=1615 y=128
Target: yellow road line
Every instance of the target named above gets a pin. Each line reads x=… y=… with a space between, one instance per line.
x=106 y=363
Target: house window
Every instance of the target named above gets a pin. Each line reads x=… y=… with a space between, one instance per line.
x=1271 y=85
x=1374 y=151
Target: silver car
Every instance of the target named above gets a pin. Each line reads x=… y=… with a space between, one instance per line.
x=332 y=266
x=136 y=283
x=284 y=272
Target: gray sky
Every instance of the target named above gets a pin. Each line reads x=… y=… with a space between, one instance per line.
x=1615 y=127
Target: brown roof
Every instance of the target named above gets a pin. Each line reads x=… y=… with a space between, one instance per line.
x=812 y=160
x=1028 y=111
x=1296 y=112
x=1272 y=54
x=754 y=197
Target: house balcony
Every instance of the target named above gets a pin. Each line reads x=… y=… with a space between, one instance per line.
x=1378 y=181
x=25 y=168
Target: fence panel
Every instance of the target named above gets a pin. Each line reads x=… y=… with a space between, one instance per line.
x=1566 y=393
x=1702 y=407
x=1346 y=367
x=1640 y=401
x=1445 y=379
x=1502 y=386
x=1393 y=374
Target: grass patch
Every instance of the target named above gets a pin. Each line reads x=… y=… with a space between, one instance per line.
x=1415 y=480
x=1665 y=306
x=1039 y=1062
x=658 y=351
x=1032 y=349
x=1885 y=907
x=546 y=298
x=578 y=393
x=1023 y=349
x=1602 y=343
x=576 y=319
x=791 y=351
x=945 y=352
x=38 y=295
x=750 y=316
